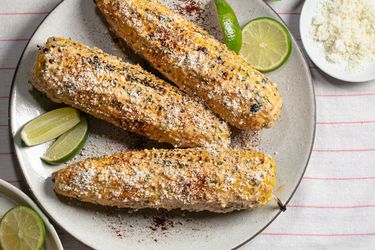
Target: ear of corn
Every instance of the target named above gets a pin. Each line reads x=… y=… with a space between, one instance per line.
x=197 y=179
x=125 y=95
x=195 y=61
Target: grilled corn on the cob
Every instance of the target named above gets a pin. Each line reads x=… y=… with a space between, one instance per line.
x=124 y=95
x=195 y=61
x=189 y=179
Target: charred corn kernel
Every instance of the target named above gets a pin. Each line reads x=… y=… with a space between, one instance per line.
x=195 y=61
x=124 y=95
x=196 y=179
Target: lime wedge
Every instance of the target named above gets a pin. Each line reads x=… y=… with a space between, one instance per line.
x=21 y=228
x=229 y=25
x=49 y=126
x=68 y=145
x=266 y=44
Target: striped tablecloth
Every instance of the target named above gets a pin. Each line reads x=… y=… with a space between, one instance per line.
x=334 y=207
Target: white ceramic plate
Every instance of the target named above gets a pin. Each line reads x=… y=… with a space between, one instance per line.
x=290 y=142
x=10 y=197
x=315 y=50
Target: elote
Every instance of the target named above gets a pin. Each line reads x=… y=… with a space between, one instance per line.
x=125 y=95
x=195 y=61
x=198 y=179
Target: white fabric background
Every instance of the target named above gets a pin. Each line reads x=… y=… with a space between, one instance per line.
x=334 y=207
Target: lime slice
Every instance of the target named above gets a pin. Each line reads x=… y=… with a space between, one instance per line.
x=21 y=228
x=266 y=44
x=68 y=145
x=49 y=126
x=229 y=25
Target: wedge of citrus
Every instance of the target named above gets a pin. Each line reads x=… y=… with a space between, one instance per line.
x=21 y=228
x=229 y=25
x=266 y=44
x=49 y=126
x=67 y=145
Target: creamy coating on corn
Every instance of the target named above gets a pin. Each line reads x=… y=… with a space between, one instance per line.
x=220 y=181
x=196 y=62
x=124 y=95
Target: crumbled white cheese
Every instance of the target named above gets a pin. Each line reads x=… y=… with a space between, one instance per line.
x=347 y=30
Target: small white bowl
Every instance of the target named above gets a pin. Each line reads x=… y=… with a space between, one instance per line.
x=11 y=196
x=315 y=50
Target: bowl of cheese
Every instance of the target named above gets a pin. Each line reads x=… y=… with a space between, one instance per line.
x=339 y=37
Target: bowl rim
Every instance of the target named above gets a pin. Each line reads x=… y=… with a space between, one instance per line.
x=22 y=196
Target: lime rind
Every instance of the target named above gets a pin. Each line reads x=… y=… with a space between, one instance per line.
x=49 y=126
x=68 y=144
x=26 y=229
x=229 y=25
x=256 y=31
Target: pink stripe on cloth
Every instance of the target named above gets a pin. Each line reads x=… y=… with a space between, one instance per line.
x=318 y=235
x=14 y=39
x=331 y=207
x=339 y=179
x=6 y=153
x=346 y=95
x=343 y=150
x=22 y=13
x=345 y=122
x=15 y=181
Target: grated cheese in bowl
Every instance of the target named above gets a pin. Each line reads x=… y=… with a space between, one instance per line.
x=346 y=28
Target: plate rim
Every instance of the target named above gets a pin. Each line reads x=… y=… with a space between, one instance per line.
x=17 y=153
x=305 y=65
x=337 y=76
x=19 y=193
